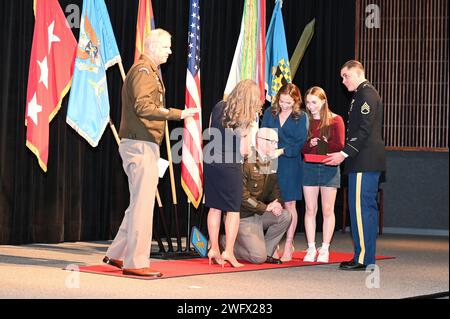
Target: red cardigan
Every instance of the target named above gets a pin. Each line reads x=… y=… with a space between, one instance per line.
x=336 y=141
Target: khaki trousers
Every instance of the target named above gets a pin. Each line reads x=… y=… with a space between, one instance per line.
x=132 y=243
x=252 y=244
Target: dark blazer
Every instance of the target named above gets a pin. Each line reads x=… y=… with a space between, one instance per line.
x=260 y=186
x=364 y=138
x=143 y=110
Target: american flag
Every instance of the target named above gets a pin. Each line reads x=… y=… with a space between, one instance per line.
x=192 y=156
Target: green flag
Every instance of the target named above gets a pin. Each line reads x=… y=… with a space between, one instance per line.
x=302 y=44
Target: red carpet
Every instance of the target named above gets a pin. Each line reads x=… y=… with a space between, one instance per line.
x=200 y=266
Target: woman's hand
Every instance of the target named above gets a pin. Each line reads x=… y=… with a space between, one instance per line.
x=313 y=142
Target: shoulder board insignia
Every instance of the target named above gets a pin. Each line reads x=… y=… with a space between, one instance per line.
x=143 y=69
x=365 y=109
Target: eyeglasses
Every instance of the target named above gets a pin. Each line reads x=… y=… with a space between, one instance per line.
x=271 y=141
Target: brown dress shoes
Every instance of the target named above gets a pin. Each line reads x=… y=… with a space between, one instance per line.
x=145 y=272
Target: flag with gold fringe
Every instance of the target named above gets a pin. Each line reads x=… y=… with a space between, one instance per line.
x=88 y=110
x=49 y=76
x=192 y=155
x=278 y=71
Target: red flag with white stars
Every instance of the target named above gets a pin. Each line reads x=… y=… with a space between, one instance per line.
x=50 y=74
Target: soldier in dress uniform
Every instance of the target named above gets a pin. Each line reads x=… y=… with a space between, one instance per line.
x=364 y=157
x=141 y=131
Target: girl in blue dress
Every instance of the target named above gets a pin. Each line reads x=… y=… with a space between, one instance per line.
x=290 y=121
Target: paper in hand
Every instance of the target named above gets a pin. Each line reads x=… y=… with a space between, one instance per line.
x=162 y=167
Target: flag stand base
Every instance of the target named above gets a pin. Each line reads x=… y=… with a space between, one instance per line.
x=175 y=255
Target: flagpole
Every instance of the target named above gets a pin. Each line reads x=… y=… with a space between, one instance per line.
x=172 y=185
x=122 y=71
x=188 y=234
x=111 y=124
x=113 y=129
x=163 y=221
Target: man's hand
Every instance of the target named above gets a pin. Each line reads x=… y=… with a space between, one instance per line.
x=334 y=159
x=277 y=211
x=189 y=112
x=275 y=207
x=278 y=152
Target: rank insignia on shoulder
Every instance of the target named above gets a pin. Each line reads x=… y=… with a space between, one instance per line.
x=365 y=109
x=144 y=70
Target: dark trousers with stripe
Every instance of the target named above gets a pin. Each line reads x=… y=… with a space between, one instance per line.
x=362 y=197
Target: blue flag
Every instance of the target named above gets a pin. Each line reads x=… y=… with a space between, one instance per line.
x=278 y=71
x=88 y=110
x=199 y=242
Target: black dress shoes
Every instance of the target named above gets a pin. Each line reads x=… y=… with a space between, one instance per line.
x=113 y=262
x=352 y=265
x=271 y=260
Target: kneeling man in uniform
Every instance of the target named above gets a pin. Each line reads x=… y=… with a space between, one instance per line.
x=263 y=219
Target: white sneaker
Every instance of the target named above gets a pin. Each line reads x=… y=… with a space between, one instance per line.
x=323 y=256
x=310 y=255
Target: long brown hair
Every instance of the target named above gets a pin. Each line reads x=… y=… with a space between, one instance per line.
x=326 y=116
x=293 y=91
x=243 y=105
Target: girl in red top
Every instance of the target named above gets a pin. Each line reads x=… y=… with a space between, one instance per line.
x=326 y=134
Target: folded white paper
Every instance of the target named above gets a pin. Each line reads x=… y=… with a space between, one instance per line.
x=162 y=166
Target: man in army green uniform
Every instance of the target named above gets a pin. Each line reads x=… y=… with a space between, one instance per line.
x=141 y=131
x=364 y=157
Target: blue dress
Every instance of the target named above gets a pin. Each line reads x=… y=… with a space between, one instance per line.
x=291 y=137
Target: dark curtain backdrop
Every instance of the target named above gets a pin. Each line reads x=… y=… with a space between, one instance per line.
x=84 y=193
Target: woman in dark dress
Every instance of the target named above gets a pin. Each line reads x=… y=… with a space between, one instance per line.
x=230 y=124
